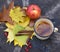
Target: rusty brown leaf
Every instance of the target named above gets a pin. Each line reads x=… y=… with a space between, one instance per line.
x=4 y=15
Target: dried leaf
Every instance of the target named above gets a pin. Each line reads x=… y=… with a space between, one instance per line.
x=11 y=5
x=4 y=15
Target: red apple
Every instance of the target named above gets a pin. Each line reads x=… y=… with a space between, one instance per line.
x=33 y=11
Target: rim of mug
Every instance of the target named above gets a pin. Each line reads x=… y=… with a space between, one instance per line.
x=50 y=22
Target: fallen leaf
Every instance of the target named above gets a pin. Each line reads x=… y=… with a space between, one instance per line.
x=11 y=5
x=4 y=15
x=20 y=40
x=13 y=31
x=17 y=14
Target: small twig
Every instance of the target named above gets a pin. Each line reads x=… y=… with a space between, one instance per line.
x=24 y=33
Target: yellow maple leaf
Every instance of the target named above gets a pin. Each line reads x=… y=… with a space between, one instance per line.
x=17 y=14
x=20 y=23
x=26 y=22
x=20 y=40
x=10 y=36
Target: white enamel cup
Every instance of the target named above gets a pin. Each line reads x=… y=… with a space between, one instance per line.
x=48 y=34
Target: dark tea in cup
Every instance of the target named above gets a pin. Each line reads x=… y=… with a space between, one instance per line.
x=43 y=28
